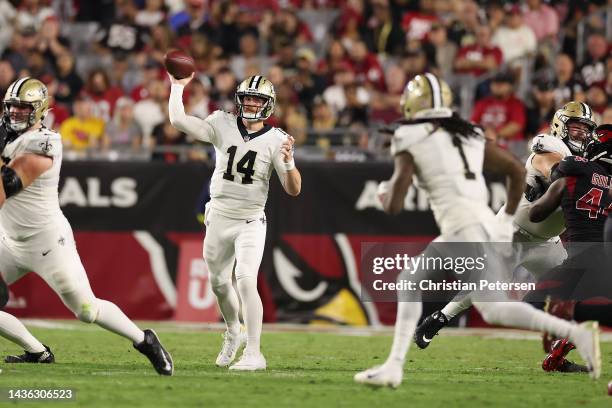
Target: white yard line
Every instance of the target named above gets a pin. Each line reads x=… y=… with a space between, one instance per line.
x=169 y=326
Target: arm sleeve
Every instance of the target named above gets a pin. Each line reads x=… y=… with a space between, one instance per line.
x=195 y=128
x=44 y=145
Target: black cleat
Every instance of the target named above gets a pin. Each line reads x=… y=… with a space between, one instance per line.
x=44 y=357
x=570 y=367
x=156 y=353
x=429 y=328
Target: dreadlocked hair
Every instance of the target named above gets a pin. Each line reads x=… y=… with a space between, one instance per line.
x=455 y=125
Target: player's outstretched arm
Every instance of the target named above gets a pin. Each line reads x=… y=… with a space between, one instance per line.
x=500 y=161
x=400 y=181
x=548 y=203
x=21 y=172
x=194 y=127
x=292 y=181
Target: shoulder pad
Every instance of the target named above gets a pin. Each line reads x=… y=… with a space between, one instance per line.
x=407 y=136
x=543 y=143
x=44 y=142
x=573 y=166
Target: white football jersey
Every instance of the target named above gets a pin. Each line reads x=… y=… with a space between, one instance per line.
x=36 y=206
x=244 y=161
x=449 y=170
x=554 y=225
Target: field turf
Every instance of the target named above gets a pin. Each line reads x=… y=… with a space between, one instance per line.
x=304 y=369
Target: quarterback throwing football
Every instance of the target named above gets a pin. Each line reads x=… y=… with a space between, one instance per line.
x=247 y=150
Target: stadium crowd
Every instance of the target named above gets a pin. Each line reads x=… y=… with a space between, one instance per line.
x=339 y=67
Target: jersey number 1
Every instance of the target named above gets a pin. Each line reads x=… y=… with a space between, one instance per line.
x=466 y=168
x=244 y=166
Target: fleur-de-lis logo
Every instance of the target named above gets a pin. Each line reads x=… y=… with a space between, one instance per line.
x=45 y=146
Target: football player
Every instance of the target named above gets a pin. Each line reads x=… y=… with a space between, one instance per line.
x=570 y=127
x=37 y=237
x=580 y=189
x=247 y=151
x=457 y=193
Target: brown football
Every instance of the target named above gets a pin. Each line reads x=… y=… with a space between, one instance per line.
x=179 y=64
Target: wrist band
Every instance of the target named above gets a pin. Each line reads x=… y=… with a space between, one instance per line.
x=290 y=166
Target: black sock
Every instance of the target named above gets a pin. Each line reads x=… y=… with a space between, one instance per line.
x=601 y=313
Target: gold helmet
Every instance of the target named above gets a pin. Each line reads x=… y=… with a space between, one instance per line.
x=571 y=111
x=25 y=92
x=426 y=97
x=258 y=86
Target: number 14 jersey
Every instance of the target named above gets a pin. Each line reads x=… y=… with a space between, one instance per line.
x=449 y=169
x=244 y=164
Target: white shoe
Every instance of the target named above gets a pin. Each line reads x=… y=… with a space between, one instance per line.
x=586 y=339
x=386 y=375
x=229 y=349
x=250 y=361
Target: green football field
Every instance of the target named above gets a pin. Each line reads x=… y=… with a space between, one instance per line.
x=304 y=369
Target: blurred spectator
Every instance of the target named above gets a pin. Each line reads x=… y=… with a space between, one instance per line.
x=481 y=57
x=462 y=28
x=323 y=118
x=543 y=21
x=227 y=24
x=577 y=10
x=152 y=14
x=335 y=57
x=189 y=19
x=542 y=108
x=69 y=83
x=50 y=43
x=38 y=65
x=295 y=123
x=495 y=15
x=286 y=59
x=224 y=88
x=123 y=34
x=307 y=84
x=355 y=110
x=166 y=135
x=384 y=107
x=501 y=114
x=384 y=34
x=82 y=130
x=160 y=42
x=57 y=113
x=597 y=99
x=414 y=63
x=202 y=51
x=22 y=43
x=102 y=94
x=288 y=29
x=7 y=76
x=276 y=75
x=123 y=131
x=368 y=70
x=417 y=23
x=151 y=71
x=32 y=13
x=152 y=111
x=349 y=23
x=7 y=15
x=514 y=38
x=123 y=74
x=249 y=55
x=568 y=86
x=335 y=95
x=444 y=50
x=594 y=69
x=200 y=103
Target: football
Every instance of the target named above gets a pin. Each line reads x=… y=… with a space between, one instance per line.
x=179 y=64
